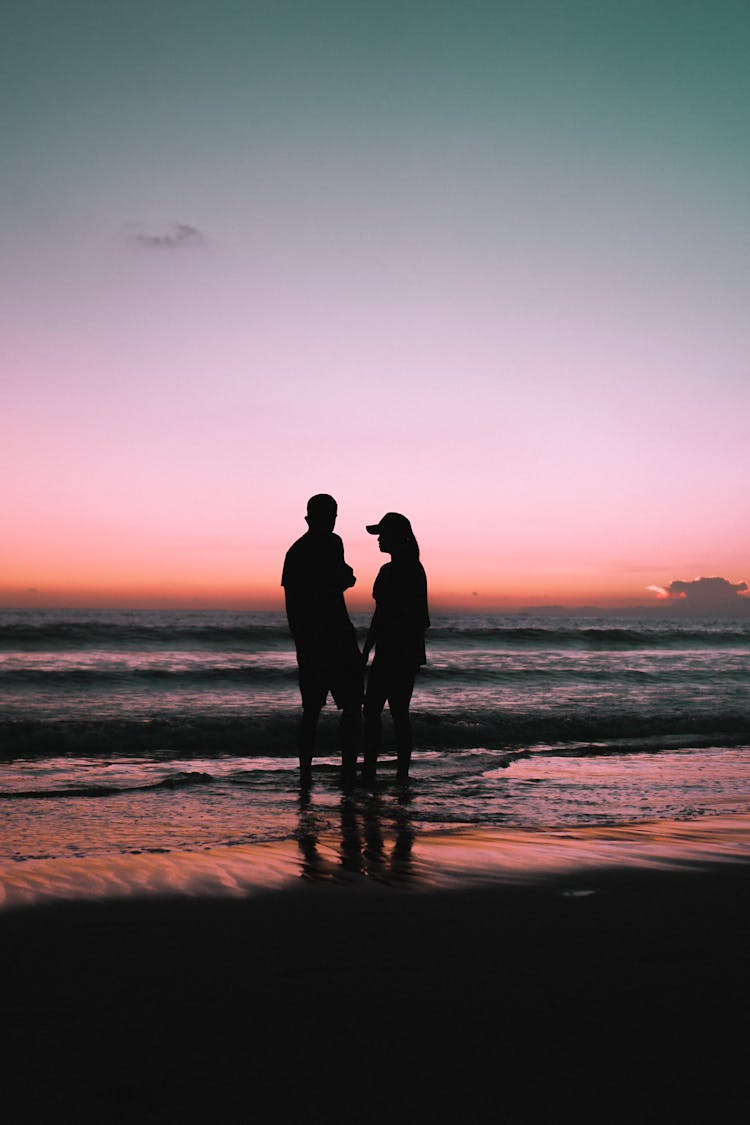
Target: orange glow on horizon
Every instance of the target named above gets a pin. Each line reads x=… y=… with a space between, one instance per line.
x=209 y=571
x=261 y=596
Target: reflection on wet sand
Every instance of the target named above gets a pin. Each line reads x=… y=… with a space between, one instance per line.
x=373 y=838
x=369 y=842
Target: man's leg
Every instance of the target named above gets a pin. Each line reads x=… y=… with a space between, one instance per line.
x=375 y=698
x=314 y=695
x=350 y=735
x=307 y=730
x=347 y=688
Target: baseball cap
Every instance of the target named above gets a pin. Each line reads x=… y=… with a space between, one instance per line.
x=392 y=521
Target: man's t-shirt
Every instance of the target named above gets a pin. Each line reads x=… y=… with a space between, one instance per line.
x=314 y=578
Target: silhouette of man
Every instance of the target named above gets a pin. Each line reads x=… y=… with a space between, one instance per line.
x=314 y=578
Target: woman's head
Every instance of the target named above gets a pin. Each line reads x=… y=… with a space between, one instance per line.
x=395 y=536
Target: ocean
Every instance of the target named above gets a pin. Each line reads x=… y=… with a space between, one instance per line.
x=140 y=733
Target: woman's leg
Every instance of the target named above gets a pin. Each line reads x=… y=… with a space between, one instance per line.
x=399 y=699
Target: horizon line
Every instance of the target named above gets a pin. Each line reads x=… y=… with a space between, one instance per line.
x=661 y=606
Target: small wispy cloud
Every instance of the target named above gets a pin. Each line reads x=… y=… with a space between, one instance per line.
x=175 y=236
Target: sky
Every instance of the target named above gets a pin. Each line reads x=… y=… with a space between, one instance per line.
x=483 y=263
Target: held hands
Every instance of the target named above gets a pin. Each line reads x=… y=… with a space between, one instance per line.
x=368 y=646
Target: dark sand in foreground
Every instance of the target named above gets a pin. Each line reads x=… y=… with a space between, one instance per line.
x=361 y=1003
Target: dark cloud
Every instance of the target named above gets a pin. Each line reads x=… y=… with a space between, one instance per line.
x=179 y=234
x=705 y=593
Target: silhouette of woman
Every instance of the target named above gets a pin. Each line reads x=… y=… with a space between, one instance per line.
x=397 y=633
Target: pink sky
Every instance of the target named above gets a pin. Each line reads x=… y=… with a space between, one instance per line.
x=162 y=439
x=509 y=301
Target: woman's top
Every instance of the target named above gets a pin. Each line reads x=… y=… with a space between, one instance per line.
x=401 y=616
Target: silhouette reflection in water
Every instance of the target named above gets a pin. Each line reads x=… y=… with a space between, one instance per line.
x=374 y=839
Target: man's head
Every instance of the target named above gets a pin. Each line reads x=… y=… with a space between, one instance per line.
x=321 y=512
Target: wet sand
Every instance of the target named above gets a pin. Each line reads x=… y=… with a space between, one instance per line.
x=613 y=987
x=359 y=852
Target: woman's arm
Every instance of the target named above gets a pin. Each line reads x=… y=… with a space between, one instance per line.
x=370 y=639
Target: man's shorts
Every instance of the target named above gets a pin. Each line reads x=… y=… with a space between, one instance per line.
x=339 y=673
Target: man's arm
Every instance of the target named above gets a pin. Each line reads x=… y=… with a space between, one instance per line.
x=294 y=614
x=295 y=603
x=344 y=575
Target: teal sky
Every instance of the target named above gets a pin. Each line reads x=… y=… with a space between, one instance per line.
x=486 y=263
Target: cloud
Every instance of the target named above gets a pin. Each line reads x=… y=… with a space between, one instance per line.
x=704 y=593
x=179 y=234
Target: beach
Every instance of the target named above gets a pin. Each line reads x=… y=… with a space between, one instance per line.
x=607 y=985
x=548 y=921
